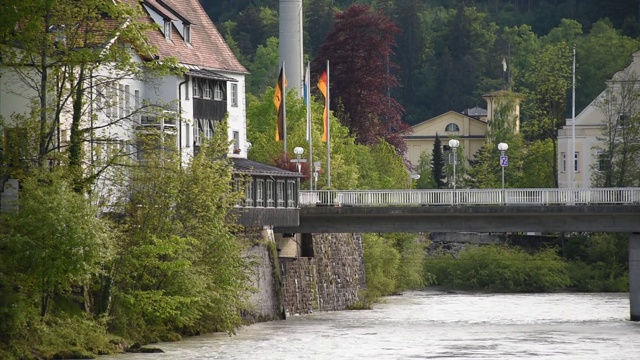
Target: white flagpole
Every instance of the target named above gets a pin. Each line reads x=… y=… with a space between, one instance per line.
x=328 y=132
x=573 y=123
x=307 y=89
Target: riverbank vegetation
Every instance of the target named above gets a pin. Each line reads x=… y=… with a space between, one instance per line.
x=77 y=280
x=591 y=263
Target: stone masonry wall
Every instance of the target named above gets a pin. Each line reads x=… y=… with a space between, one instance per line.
x=328 y=281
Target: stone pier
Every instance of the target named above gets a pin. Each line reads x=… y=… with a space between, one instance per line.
x=634 y=276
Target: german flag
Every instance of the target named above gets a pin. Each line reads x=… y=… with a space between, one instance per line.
x=278 y=101
x=323 y=86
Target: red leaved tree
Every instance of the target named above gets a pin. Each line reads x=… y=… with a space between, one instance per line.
x=359 y=48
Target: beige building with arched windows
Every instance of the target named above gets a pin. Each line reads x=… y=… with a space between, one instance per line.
x=469 y=127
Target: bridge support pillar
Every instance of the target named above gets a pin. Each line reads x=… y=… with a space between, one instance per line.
x=634 y=276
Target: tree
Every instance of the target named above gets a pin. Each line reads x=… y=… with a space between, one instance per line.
x=549 y=82
x=598 y=56
x=620 y=150
x=54 y=241
x=437 y=164
x=68 y=55
x=180 y=267
x=264 y=68
x=426 y=180
x=359 y=48
x=318 y=20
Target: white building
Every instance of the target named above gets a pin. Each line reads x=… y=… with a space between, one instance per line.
x=185 y=108
x=612 y=106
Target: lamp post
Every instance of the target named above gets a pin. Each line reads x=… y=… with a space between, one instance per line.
x=453 y=144
x=298 y=151
x=504 y=162
x=316 y=169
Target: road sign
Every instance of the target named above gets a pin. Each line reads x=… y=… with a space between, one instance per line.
x=504 y=160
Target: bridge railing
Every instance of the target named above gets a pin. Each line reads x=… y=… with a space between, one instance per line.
x=469 y=197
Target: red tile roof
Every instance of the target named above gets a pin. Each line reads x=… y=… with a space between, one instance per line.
x=208 y=48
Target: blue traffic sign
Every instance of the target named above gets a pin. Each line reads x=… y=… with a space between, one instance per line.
x=504 y=160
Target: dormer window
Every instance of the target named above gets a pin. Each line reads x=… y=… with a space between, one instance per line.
x=167 y=29
x=187 y=33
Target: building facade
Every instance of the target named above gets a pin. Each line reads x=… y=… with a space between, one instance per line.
x=590 y=134
x=469 y=127
x=125 y=111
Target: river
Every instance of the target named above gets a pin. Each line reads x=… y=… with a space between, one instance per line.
x=434 y=325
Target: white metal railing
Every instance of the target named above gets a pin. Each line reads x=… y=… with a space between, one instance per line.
x=469 y=197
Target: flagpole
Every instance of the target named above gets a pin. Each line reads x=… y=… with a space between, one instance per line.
x=573 y=123
x=307 y=89
x=328 y=131
x=284 y=110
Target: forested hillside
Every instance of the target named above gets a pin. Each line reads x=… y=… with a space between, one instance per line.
x=450 y=52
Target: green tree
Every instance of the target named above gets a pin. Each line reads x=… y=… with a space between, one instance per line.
x=549 y=81
x=54 y=240
x=180 y=268
x=264 y=68
x=426 y=180
x=598 y=56
x=57 y=61
x=619 y=153
x=437 y=164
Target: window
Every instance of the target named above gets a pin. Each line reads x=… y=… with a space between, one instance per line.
x=121 y=100
x=167 y=29
x=113 y=100
x=575 y=161
x=234 y=95
x=452 y=128
x=564 y=162
x=208 y=129
x=136 y=102
x=270 y=197
x=622 y=120
x=197 y=139
x=187 y=33
x=249 y=192
x=218 y=94
x=236 y=140
x=127 y=100
x=206 y=89
x=259 y=192
x=291 y=191
x=280 y=193
x=187 y=134
x=603 y=161
x=197 y=90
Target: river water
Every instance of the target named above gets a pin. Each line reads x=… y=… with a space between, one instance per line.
x=435 y=325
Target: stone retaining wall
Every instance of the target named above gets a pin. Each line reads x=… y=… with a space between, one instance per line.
x=328 y=281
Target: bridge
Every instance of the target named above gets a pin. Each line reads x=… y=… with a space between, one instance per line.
x=468 y=210
x=478 y=210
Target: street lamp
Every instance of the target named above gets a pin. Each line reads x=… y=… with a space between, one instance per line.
x=316 y=169
x=453 y=144
x=504 y=161
x=298 y=151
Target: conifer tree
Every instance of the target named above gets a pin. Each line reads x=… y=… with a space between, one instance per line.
x=437 y=162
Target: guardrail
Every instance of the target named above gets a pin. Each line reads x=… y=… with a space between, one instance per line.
x=469 y=197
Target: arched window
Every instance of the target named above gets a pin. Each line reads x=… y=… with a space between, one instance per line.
x=452 y=128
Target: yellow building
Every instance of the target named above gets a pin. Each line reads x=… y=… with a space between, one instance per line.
x=469 y=127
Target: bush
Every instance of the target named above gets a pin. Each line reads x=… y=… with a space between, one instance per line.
x=498 y=268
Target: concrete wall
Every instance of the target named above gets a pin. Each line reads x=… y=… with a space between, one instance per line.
x=328 y=281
